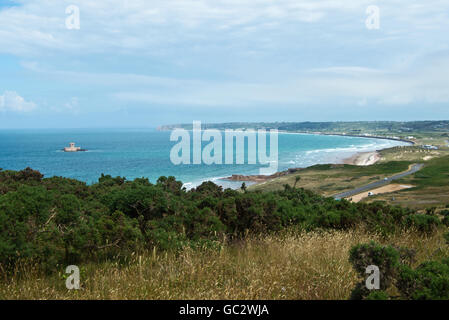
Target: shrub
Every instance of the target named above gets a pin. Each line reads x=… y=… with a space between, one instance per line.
x=60 y=220
x=378 y=295
x=445 y=221
x=444 y=213
x=386 y=258
x=429 y=281
x=423 y=222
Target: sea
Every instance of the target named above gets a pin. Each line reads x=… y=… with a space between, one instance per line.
x=136 y=153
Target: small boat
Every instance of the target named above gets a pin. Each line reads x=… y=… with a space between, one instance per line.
x=72 y=148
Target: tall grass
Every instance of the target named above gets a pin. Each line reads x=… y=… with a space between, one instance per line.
x=291 y=265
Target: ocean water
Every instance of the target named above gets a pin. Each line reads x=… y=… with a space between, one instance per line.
x=133 y=153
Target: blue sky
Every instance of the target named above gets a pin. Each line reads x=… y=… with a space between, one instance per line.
x=151 y=62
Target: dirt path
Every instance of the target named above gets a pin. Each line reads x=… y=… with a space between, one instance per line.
x=384 y=189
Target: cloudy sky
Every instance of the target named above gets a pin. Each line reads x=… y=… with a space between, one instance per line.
x=150 y=62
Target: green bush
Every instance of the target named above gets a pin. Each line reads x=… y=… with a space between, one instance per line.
x=57 y=220
x=386 y=258
x=445 y=221
x=429 y=281
x=378 y=295
x=423 y=222
x=444 y=213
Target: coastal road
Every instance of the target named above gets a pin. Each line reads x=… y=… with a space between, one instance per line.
x=414 y=168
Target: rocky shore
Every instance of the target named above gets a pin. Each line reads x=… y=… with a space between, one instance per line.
x=261 y=178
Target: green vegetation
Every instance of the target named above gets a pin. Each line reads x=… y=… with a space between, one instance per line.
x=355 y=127
x=428 y=281
x=193 y=237
x=57 y=220
x=329 y=179
x=431 y=187
x=434 y=174
x=412 y=153
x=286 y=265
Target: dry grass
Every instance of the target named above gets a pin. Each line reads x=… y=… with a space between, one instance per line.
x=288 y=266
x=419 y=199
x=412 y=153
x=324 y=182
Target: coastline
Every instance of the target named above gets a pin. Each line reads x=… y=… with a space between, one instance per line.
x=353 y=135
x=180 y=126
x=358 y=159
x=364 y=158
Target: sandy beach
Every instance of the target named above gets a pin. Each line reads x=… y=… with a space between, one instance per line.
x=363 y=158
x=359 y=159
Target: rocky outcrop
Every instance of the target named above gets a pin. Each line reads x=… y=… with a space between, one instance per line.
x=261 y=178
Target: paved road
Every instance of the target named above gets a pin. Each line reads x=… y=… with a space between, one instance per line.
x=373 y=185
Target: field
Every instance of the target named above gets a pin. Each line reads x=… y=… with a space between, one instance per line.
x=432 y=182
x=290 y=265
x=432 y=187
x=331 y=179
x=412 y=154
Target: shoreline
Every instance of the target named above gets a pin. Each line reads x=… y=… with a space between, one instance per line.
x=353 y=135
x=165 y=128
x=363 y=158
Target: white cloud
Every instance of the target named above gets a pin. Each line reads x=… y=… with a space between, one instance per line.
x=425 y=80
x=427 y=83
x=39 y=25
x=215 y=34
x=11 y=101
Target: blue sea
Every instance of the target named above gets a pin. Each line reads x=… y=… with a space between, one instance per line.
x=133 y=153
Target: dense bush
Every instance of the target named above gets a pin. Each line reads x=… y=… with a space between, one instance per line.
x=386 y=258
x=429 y=281
x=423 y=222
x=60 y=220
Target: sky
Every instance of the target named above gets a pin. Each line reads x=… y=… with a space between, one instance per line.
x=144 y=63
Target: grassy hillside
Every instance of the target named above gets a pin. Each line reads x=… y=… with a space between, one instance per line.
x=413 y=153
x=138 y=240
x=289 y=265
x=431 y=187
x=330 y=179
